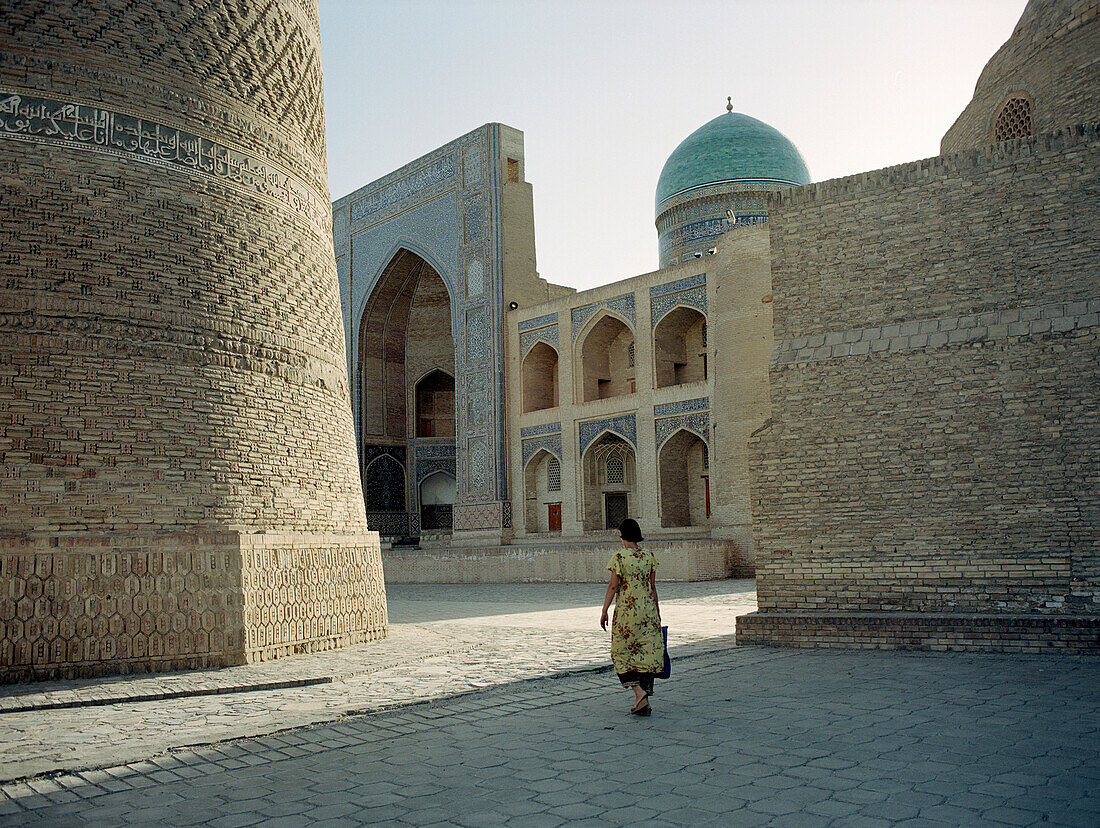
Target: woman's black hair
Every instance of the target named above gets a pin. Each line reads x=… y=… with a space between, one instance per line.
x=629 y=530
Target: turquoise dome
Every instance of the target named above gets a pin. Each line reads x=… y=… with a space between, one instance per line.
x=732 y=147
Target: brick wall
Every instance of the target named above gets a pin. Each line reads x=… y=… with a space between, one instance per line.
x=1050 y=61
x=171 y=352
x=935 y=427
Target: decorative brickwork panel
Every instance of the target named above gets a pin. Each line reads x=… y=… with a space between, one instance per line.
x=624 y=425
x=623 y=305
x=184 y=363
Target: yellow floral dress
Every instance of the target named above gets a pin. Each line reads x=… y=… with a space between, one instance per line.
x=636 y=641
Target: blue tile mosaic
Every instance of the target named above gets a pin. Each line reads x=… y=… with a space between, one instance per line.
x=475 y=277
x=527 y=339
x=477 y=335
x=473 y=221
x=476 y=401
x=697 y=423
x=549 y=442
x=661 y=305
x=477 y=464
x=471 y=165
x=538 y=322
x=431 y=465
x=624 y=305
x=412 y=184
x=433 y=449
x=624 y=425
x=389 y=524
x=534 y=431
x=682 y=407
x=680 y=284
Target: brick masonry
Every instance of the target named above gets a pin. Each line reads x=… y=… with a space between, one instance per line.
x=935 y=429
x=173 y=386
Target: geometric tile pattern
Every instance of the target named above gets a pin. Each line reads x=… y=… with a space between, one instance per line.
x=623 y=305
x=698 y=423
x=538 y=322
x=668 y=409
x=690 y=292
x=623 y=425
x=527 y=339
x=549 y=442
x=534 y=431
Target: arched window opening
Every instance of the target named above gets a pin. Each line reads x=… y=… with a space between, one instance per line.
x=1014 y=120
x=437 y=498
x=542 y=493
x=680 y=348
x=553 y=475
x=435 y=405
x=384 y=485
x=540 y=378
x=607 y=369
x=684 y=481
x=609 y=483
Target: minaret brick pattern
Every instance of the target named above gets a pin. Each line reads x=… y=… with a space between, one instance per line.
x=178 y=476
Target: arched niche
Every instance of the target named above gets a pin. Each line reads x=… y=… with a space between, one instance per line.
x=680 y=347
x=437 y=498
x=542 y=493
x=684 y=480
x=404 y=332
x=607 y=360
x=540 y=378
x=384 y=485
x=435 y=405
x=610 y=478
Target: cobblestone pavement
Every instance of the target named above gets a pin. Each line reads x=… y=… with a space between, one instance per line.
x=444 y=640
x=739 y=736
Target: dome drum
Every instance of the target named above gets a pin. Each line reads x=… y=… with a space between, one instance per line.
x=718 y=178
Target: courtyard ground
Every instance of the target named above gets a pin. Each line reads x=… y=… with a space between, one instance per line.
x=495 y=704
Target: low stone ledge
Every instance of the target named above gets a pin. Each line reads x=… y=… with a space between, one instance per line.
x=923 y=631
x=703 y=559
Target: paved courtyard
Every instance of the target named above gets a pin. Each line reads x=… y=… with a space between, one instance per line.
x=495 y=705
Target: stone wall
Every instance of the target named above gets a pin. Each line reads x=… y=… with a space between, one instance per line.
x=935 y=427
x=1050 y=62
x=171 y=359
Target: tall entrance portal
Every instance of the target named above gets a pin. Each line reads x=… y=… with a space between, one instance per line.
x=406 y=369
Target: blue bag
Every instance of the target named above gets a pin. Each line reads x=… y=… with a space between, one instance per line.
x=666 y=670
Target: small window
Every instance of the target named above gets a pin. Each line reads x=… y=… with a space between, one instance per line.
x=704 y=334
x=706 y=457
x=616 y=468
x=1014 y=120
x=513 y=170
x=630 y=356
x=553 y=475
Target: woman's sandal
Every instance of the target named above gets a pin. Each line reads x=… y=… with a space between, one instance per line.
x=641 y=707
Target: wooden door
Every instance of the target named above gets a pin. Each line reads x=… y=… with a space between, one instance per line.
x=553 y=514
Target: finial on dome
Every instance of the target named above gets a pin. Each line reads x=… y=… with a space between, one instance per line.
x=729 y=103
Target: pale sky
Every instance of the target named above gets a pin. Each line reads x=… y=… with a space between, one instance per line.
x=604 y=91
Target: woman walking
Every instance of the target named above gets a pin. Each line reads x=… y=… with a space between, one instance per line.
x=637 y=647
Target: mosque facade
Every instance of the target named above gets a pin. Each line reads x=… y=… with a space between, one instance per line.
x=805 y=389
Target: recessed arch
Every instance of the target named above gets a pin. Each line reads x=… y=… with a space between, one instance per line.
x=437 y=494
x=540 y=377
x=384 y=485
x=542 y=492
x=609 y=469
x=680 y=347
x=683 y=463
x=410 y=301
x=434 y=395
x=605 y=349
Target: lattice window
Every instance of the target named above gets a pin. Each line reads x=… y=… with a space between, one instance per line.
x=1014 y=120
x=384 y=485
x=553 y=475
x=615 y=468
x=630 y=356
